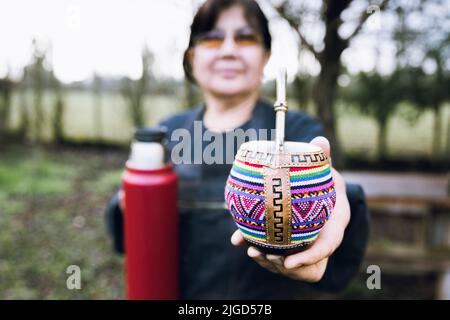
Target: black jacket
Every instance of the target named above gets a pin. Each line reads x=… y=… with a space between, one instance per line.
x=210 y=266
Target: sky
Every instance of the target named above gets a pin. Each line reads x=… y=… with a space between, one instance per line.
x=106 y=37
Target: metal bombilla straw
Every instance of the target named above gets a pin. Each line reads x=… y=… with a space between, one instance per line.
x=280 y=108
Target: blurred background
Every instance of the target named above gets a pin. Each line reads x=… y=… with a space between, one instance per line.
x=77 y=76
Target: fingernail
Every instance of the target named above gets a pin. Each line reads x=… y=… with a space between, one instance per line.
x=274 y=258
x=253 y=252
x=291 y=265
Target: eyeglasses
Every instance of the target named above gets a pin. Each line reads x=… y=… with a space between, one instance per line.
x=215 y=39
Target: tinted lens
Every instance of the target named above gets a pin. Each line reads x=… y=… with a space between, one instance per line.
x=211 y=39
x=246 y=39
x=215 y=39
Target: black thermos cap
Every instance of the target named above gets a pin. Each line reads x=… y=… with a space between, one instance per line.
x=152 y=134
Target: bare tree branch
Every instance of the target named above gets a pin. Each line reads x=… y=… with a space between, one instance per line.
x=295 y=24
x=364 y=16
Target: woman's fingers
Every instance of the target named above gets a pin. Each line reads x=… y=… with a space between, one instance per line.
x=312 y=273
x=328 y=240
x=323 y=143
x=307 y=266
x=309 y=273
x=320 y=250
x=237 y=239
x=276 y=260
x=256 y=255
x=275 y=263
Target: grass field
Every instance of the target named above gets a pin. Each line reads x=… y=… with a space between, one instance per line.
x=357 y=133
x=51 y=205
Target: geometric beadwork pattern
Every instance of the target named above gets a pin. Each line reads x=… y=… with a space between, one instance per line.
x=312 y=201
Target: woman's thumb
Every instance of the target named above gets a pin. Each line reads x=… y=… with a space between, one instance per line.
x=323 y=143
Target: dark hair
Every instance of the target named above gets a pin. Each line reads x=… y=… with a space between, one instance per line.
x=209 y=12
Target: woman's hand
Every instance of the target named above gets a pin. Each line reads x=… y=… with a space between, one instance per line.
x=310 y=264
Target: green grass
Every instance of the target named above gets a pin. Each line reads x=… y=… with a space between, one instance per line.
x=35 y=175
x=51 y=217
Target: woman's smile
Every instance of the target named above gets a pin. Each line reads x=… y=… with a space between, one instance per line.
x=228 y=73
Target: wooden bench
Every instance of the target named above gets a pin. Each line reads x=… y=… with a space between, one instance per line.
x=410 y=224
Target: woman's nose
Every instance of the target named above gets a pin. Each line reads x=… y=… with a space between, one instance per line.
x=228 y=47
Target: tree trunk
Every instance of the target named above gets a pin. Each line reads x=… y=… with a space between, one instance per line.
x=5 y=104
x=58 y=121
x=37 y=97
x=324 y=91
x=437 y=130
x=2 y=122
x=138 y=114
x=3 y=117
x=24 y=117
x=382 y=140
x=447 y=152
x=98 y=130
x=138 y=105
x=98 y=118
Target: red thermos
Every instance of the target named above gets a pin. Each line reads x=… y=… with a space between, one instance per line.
x=151 y=219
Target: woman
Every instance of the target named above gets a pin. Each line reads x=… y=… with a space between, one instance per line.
x=228 y=49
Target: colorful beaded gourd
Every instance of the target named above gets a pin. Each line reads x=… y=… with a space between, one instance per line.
x=280 y=202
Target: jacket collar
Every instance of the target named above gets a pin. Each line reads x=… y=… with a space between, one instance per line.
x=263 y=116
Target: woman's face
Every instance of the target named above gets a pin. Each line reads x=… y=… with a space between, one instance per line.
x=230 y=59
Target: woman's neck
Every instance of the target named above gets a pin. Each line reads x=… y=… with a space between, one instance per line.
x=223 y=114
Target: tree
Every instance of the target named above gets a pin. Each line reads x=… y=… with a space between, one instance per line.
x=97 y=88
x=6 y=86
x=430 y=92
x=302 y=86
x=426 y=44
x=58 y=110
x=134 y=91
x=327 y=53
x=437 y=93
x=24 y=123
x=377 y=96
x=37 y=73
